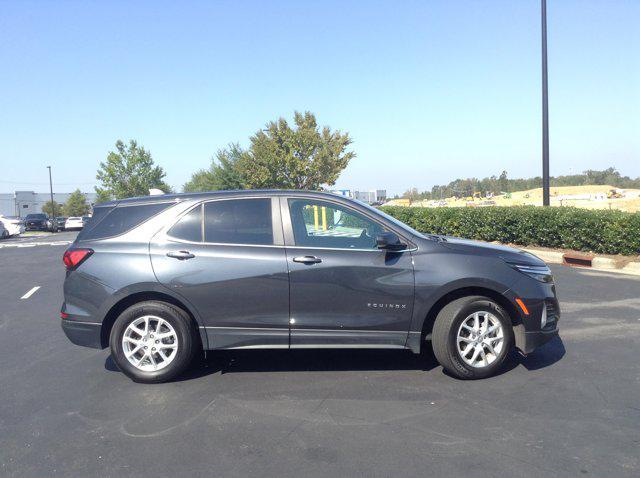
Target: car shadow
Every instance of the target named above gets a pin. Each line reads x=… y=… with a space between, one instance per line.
x=320 y=360
x=544 y=356
x=341 y=360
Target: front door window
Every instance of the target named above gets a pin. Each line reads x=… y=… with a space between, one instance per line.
x=327 y=225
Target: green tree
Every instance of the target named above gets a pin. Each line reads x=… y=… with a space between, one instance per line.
x=103 y=196
x=412 y=194
x=76 y=205
x=303 y=157
x=48 y=208
x=129 y=171
x=224 y=172
x=503 y=183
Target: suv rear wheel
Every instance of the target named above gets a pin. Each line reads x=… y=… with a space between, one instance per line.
x=472 y=337
x=153 y=341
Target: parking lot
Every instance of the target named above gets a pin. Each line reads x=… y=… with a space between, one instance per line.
x=571 y=408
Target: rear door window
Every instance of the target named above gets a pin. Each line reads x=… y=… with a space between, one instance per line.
x=238 y=221
x=118 y=220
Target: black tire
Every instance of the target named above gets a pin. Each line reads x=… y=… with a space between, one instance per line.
x=445 y=331
x=186 y=333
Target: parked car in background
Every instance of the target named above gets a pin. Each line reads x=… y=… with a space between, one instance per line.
x=159 y=278
x=85 y=220
x=61 y=221
x=74 y=223
x=13 y=224
x=39 y=222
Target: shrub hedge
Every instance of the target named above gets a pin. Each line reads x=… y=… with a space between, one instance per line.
x=603 y=231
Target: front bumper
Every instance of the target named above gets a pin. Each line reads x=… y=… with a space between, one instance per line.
x=540 y=300
x=87 y=334
x=527 y=342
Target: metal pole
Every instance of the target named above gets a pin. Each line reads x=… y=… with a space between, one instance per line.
x=53 y=204
x=545 y=109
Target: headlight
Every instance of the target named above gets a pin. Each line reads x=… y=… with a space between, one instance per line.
x=541 y=273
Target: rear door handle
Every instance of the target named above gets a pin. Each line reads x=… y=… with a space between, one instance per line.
x=181 y=255
x=307 y=259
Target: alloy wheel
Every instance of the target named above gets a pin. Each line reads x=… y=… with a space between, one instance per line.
x=150 y=343
x=480 y=339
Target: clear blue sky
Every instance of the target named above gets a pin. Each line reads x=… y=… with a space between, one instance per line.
x=429 y=90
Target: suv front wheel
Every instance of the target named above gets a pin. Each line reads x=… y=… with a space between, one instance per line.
x=153 y=342
x=472 y=337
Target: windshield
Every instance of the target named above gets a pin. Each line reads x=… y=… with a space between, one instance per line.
x=36 y=216
x=392 y=219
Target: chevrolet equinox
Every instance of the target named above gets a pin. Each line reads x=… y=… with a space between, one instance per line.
x=158 y=279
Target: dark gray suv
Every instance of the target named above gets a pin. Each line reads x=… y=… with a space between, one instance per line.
x=159 y=278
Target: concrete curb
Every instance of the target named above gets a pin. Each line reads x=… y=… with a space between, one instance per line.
x=547 y=256
x=605 y=264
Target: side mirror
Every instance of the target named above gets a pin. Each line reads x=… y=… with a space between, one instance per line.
x=389 y=241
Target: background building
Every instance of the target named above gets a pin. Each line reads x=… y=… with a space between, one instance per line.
x=373 y=196
x=370 y=197
x=342 y=192
x=21 y=203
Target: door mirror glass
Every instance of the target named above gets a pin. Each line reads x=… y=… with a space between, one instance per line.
x=389 y=241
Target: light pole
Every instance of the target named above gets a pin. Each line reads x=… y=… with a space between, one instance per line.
x=53 y=204
x=545 y=109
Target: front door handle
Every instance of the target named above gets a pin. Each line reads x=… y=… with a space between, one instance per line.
x=181 y=255
x=307 y=259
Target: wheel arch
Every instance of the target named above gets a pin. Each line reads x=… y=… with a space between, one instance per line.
x=499 y=298
x=133 y=298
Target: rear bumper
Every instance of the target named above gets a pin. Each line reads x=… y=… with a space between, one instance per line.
x=14 y=230
x=87 y=334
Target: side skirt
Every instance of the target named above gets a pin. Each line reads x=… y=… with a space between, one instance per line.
x=324 y=338
x=246 y=338
x=278 y=338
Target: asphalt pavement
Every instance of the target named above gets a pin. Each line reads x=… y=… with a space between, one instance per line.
x=571 y=408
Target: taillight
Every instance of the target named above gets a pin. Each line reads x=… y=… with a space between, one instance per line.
x=72 y=258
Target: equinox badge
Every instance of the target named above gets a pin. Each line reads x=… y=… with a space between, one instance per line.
x=374 y=305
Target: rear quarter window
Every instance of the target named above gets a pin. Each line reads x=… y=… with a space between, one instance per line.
x=113 y=221
x=189 y=227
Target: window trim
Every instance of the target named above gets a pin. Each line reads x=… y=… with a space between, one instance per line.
x=289 y=237
x=277 y=233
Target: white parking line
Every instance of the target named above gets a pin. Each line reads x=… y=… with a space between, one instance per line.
x=30 y=293
x=34 y=244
